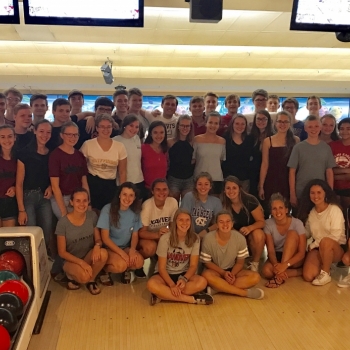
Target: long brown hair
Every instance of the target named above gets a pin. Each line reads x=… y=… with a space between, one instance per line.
x=255 y=131
x=229 y=131
x=290 y=140
x=14 y=136
x=114 y=215
x=191 y=237
x=190 y=136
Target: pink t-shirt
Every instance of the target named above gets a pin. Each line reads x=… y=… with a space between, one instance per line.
x=154 y=165
x=69 y=168
x=341 y=155
x=8 y=170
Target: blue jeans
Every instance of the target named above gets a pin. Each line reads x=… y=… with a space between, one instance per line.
x=39 y=211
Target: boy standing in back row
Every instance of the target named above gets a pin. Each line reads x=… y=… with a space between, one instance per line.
x=310 y=159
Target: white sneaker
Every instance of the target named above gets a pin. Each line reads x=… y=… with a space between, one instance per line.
x=322 y=279
x=211 y=291
x=345 y=282
x=253 y=266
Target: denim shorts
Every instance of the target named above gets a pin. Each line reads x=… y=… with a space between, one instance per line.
x=180 y=185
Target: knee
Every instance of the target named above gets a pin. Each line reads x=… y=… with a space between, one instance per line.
x=139 y=262
x=104 y=255
x=326 y=243
x=152 y=286
x=293 y=234
x=149 y=248
x=346 y=258
x=258 y=236
x=308 y=276
x=254 y=277
x=266 y=271
x=201 y=283
x=118 y=266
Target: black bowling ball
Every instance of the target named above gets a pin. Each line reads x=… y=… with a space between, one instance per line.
x=11 y=302
x=8 y=320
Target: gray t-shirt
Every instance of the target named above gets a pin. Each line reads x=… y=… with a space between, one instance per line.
x=311 y=162
x=208 y=158
x=201 y=213
x=223 y=256
x=79 y=239
x=178 y=258
x=278 y=239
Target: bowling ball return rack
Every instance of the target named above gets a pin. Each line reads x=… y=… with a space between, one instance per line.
x=29 y=241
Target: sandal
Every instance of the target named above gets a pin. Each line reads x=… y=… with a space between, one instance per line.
x=93 y=288
x=73 y=285
x=275 y=282
x=106 y=279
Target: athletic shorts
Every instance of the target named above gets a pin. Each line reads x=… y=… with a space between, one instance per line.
x=343 y=192
x=180 y=185
x=174 y=277
x=8 y=208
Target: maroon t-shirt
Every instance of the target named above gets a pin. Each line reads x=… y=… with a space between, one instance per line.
x=199 y=129
x=224 y=122
x=69 y=168
x=7 y=175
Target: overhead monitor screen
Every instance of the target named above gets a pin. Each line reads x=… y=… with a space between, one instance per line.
x=321 y=15
x=112 y=13
x=9 y=11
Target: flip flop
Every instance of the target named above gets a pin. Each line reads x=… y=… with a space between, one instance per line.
x=274 y=283
x=72 y=285
x=93 y=288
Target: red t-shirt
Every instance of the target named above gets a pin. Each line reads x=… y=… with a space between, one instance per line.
x=199 y=129
x=7 y=175
x=341 y=155
x=224 y=122
x=154 y=165
x=69 y=168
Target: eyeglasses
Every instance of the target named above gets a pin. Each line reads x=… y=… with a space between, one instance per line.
x=103 y=109
x=261 y=119
x=283 y=122
x=260 y=100
x=68 y=134
x=105 y=127
x=184 y=126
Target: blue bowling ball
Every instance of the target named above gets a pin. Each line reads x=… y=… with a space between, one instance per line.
x=8 y=320
x=7 y=275
x=12 y=303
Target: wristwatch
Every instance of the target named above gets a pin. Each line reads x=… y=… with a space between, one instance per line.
x=98 y=244
x=288 y=264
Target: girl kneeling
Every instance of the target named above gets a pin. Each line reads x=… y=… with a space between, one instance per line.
x=223 y=253
x=178 y=255
x=119 y=223
x=79 y=244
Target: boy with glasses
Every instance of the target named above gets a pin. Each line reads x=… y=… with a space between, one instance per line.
x=13 y=97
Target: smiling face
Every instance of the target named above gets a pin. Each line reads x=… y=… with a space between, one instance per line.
x=43 y=133
x=210 y=103
x=23 y=118
x=132 y=129
x=291 y=108
x=261 y=122
x=76 y=101
x=328 y=125
x=313 y=128
x=127 y=197
x=183 y=223
x=184 y=127
x=314 y=106
x=278 y=210
x=61 y=114
x=197 y=109
x=232 y=106
x=344 y=131
x=160 y=191
x=80 y=202
x=39 y=108
x=239 y=125
x=121 y=103
x=158 y=134
x=203 y=186
x=213 y=124
x=317 y=195
x=260 y=102
x=224 y=223
x=231 y=190
x=70 y=136
x=7 y=139
x=169 y=107
x=135 y=103
x=282 y=123
x=273 y=104
x=104 y=129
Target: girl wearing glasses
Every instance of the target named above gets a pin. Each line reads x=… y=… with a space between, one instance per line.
x=276 y=150
x=106 y=161
x=238 y=150
x=181 y=164
x=261 y=128
x=67 y=170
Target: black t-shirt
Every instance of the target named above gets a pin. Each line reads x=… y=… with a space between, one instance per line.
x=36 y=170
x=243 y=218
x=55 y=139
x=23 y=140
x=180 y=160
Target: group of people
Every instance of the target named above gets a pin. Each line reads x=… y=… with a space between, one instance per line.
x=113 y=180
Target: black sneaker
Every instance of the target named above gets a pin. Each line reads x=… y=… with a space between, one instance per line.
x=139 y=273
x=154 y=300
x=203 y=299
x=125 y=277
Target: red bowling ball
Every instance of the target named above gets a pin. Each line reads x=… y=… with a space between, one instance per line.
x=15 y=287
x=5 y=342
x=5 y=266
x=14 y=259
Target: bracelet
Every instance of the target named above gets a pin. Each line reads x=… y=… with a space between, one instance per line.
x=183 y=278
x=21 y=211
x=98 y=244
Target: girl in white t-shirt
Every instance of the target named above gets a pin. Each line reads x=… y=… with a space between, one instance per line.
x=325 y=223
x=106 y=160
x=129 y=138
x=285 y=241
x=175 y=278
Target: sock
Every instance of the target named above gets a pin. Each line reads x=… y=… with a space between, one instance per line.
x=255 y=293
